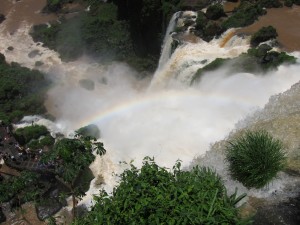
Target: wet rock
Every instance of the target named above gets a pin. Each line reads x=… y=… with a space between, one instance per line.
x=48 y=208
x=87 y=84
x=39 y=63
x=34 y=53
x=2 y=216
x=2 y=58
x=287 y=212
x=2 y=18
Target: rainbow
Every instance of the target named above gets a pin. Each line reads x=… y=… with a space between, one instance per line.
x=143 y=101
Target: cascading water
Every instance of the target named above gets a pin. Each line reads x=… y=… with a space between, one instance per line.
x=171 y=121
x=167 y=42
x=191 y=56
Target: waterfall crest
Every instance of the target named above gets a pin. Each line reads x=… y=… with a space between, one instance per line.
x=189 y=57
x=167 y=42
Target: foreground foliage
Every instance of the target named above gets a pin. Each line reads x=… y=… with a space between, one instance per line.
x=255 y=158
x=154 y=195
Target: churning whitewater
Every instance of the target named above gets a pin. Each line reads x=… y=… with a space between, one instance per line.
x=164 y=117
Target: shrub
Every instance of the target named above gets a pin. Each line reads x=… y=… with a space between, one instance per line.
x=262 y=35
x=270 y=3
x=201 y=21
x=153 y=195
x=47 y=141
x=255 y=158
x=215 y=11
x=90 y=130
x=297 y=2
x=288 y=3
x=246 y=14
x=26 y=134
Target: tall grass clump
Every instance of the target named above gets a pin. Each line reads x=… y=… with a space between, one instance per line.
x=255 y=158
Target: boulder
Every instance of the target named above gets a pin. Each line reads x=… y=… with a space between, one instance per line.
x=2 y=216
x=48 y=208
x=264 y=34
x=2 y=18
x=87 y=84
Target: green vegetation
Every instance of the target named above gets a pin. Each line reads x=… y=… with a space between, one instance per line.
x=90 y=130
x=256 y=60
x=22 y=91
x=255 y=158
x=73 y=155
x=288 y=3
x=26 y=134
x=262 y=35
x=23 y=186
x=217 y=63
x=245 y=15
x=215 y=11
x=270 y=3
x=153 y=195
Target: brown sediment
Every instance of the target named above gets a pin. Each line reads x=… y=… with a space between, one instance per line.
x=229 y=6
x=25 y=216
x=287 y=23
x=227 y=38
x=29 y=11
x=7 y=170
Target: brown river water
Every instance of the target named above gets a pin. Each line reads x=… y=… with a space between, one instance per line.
x=287 y=23
x=17 y=12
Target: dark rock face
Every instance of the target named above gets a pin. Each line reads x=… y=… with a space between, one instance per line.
x=2 y=216
x=2 y=18
x=195 y=4
x=46 y=209
x=283 y=213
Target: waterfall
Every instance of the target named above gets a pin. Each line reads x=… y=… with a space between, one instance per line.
x=166 y=123
x=167 y=42
x=189 y=57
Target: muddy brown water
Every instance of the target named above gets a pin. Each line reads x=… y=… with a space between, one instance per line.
x=17 y=12
x=287 y=23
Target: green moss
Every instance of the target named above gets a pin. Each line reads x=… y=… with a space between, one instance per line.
x=214 y=65
x=262 y=35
